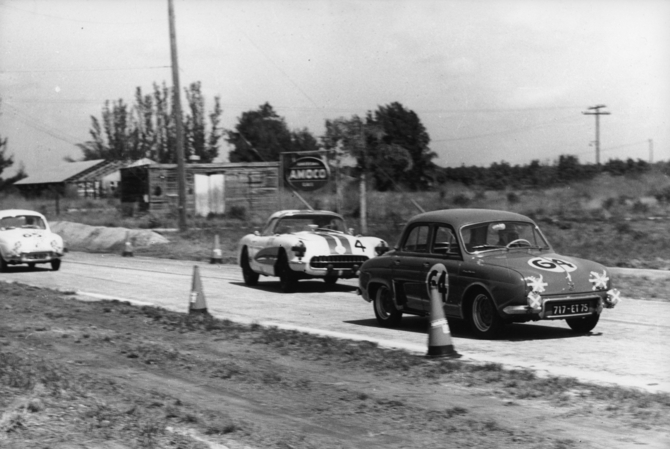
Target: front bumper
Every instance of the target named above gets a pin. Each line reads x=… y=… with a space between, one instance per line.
x=344 y=266
x=34 y=257
x=543 y=306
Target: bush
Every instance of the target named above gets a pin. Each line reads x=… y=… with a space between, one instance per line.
x=461 y=200
x=237 y=212
x=513 y=198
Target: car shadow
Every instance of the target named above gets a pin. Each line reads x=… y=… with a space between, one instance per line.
x=316 y=286
x=513 y=333
x=27 y=269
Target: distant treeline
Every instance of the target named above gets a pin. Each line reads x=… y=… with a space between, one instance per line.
x=566 y=169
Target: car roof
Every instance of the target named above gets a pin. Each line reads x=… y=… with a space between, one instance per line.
x=462 y=217
x=17 y=212
x=289 y=213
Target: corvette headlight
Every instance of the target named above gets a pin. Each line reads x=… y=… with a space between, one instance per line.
x=299 y=249
x=381 y=248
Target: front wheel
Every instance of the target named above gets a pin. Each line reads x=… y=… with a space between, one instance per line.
x=385 y=311
x=287 y=279
x=249 y=275
x=484 y=318
x=3 y=265
x=584 y=324
x=55 y=265
x=330 y=280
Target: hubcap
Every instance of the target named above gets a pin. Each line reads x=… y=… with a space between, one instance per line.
x=482 y=313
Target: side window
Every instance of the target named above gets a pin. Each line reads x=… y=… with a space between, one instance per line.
x=445 y=242
x=417 y=240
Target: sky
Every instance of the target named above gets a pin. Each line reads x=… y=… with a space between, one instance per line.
x=491 y=80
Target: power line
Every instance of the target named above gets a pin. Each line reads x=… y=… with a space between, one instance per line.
x=109 y=69
x=38 y=125
x=69 y=19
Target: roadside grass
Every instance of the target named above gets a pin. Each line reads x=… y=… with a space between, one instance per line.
x=617 y=221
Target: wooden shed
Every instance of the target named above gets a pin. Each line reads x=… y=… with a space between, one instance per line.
x=214 y=188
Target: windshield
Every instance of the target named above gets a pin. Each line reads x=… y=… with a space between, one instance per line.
x=502 y=234
x=297 y=223
x=22 y=221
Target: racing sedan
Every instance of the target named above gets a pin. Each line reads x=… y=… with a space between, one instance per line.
x=305 y=244
x=25 y=238
x=498 y=268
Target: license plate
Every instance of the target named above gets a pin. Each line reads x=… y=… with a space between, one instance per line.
x=570 y=309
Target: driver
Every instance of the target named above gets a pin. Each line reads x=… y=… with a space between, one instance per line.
x=507 y=235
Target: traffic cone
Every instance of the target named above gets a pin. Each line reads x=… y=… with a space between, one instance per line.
x=439 y=335
x=197 y=302
x=127 y=246
x=217 y=256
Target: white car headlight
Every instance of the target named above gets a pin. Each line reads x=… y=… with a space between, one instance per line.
x=16 y=249
x=56 y=246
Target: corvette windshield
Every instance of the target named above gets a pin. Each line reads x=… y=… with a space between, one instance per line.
x=298 y=223
x=21 y=221
x=501 y=235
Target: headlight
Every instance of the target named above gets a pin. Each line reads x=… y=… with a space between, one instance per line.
x=55 y=245
x=299 y=249
x=534 y=301
x=16 y=249
x=381 y=248
x=613 y=298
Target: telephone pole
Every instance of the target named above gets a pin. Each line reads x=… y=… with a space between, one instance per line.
x=181 y=170
x=598 y=113
x=651 y=151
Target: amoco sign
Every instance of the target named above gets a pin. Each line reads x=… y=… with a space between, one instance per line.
x=308 y=173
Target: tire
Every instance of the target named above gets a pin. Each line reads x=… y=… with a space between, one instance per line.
x=583 y=325
x=385 y=311
x=55 y=265
x=288 y=281
x=330 y=280
x=249 y=275
x=3 y=265
x=485 y=321
x=31 y=265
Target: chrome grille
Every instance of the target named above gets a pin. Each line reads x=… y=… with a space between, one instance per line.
x=345 y=262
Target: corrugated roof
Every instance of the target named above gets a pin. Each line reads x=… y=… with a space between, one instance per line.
x=59 y=173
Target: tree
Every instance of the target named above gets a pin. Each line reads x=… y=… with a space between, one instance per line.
x=403 y=149
x=259 y=135
x=7 y=161
x=147 y=129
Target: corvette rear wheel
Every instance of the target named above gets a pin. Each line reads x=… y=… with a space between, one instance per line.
x=484 y=319
x=385 y=311
x=249 y=275
x=330 y=280
x=287 y=279
x=583 y=325
x=55 y=265
x=3 y=264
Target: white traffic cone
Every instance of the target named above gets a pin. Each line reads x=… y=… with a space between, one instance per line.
x=439 y=335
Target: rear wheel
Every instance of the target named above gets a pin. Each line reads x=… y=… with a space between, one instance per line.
x=287 y=279
x=484 y=319
x=31 y=265
x=55 y=265
x=584 y=324
x=385 y=311
x=3 y=264
x=249 y=275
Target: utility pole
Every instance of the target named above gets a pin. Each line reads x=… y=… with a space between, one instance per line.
x=597 y=114
x=181 y=170
x=651 y=151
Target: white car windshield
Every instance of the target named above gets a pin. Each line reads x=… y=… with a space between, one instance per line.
x=298 y=223
x=502 y=235
x=22 y=221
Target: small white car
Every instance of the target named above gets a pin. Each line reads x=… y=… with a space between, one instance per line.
x=304 y=244
x=25 y=238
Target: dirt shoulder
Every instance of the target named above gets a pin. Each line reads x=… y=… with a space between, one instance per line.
x=110 y=375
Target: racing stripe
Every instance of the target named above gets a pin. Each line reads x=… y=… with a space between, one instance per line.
x=346 y=243
x=332 y=243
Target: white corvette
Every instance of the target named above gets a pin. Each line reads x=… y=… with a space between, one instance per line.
x=25 y=238
x=303 y=244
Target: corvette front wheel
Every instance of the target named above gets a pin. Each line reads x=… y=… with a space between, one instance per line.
x=287 y=279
